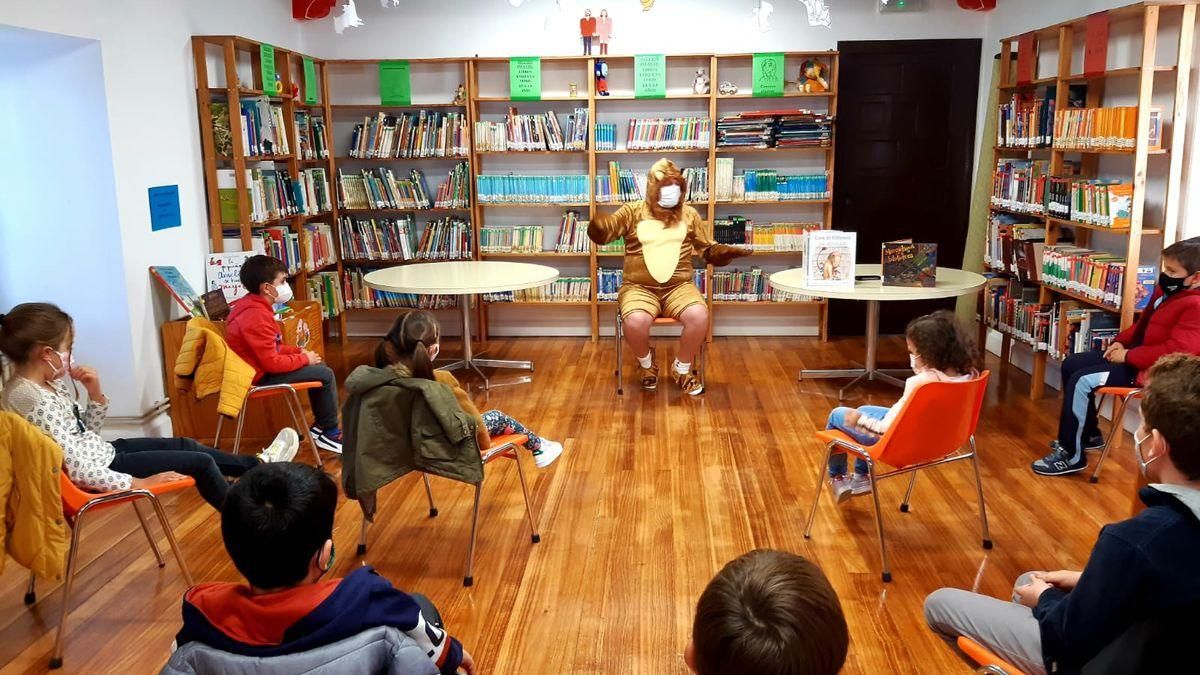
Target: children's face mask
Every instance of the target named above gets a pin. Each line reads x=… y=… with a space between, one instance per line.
x=668 y=197
x=283 y=293
x=64 y=367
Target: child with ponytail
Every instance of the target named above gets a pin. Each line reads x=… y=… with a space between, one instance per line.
x=37 y=339
x=410 y=347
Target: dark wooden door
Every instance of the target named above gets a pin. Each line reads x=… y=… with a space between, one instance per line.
x=905 y=147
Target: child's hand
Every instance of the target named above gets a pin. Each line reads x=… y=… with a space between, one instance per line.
x=1116 y=355
x=156 y=479
x=1113 y=347
x=313 y=357
x=852 y=417
x=1062 y=579
x=90 y=379
x=468 y=663
x=1029 y=593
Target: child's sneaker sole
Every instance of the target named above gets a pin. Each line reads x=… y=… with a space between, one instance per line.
x=327 y=444
x=545 y=455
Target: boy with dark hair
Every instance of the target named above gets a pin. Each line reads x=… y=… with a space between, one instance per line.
x=253 y=334
x=1170 y=324
x=1141 y=569
x=277 y=525
x=768 y=613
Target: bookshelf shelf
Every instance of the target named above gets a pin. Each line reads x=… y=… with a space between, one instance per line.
x=546 y=99
x=668 y=97
x=576 y=153
x=1156 y=24
x=792 y=94
x=388 y=210
x=1001 y=209
x=258 y=158
x=610 y=255
x=769 y=202
x=534 y=303
x=526 y=205
x=775 y=304
x=1008 y=149
x=675 y=151
x=822 y=148
x=543 y=254
x=380 y=108
x=393 y=160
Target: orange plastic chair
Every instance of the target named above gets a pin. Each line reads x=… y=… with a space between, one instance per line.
x=78 y=503
x=658 y=321
x=988 y=661
x=502 y=446
x=1121 y=397
x=933 y=428
x=290 y=394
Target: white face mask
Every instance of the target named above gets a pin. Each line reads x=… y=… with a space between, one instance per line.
x=913 y=362
x=65 y=364
x=668 y=197
x=1143 y=464
x=284 y=292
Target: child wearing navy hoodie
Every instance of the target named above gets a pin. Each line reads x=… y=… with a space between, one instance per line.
x=278 y=525
x=1140 y=571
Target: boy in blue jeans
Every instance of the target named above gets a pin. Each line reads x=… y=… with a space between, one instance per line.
x=253 y=334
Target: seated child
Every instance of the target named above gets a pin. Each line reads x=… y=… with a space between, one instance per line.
x=939 y=350
x=410 y=347
x=1139 y=568
x=768 y=613
x=278 y=527
x=1169 y=324
x=38 y=338
x=253 y=334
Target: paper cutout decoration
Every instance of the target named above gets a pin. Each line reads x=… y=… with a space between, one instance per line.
x=767 y=72
x=311 y=86
x=1095 y=51
x=649 y=76
x=761 y=15
x=818 y=12
x=348 y=19
x=395 y=85
x=525 y=78
x=266 y=58
x=311 y=9
x=647 y=4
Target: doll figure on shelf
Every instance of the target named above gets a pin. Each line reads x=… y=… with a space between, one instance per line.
x=601 y=78
x=812 y=77
x=460 y=95
x=587 y=31
x=572 y=89
x=603 y=31
x=701 y=84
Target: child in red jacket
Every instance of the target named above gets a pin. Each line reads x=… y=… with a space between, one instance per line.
x=252 y=333
x=1169 y=324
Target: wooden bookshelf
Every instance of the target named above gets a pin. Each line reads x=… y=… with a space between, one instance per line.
x=1142 y=20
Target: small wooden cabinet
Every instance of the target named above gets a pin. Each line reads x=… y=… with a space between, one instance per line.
x=198 y=419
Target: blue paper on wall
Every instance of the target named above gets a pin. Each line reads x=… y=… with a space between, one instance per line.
x=164 y=207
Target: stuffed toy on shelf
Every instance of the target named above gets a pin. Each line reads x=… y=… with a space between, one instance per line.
x=601 y=78
x=812 y=77
x=701 y=84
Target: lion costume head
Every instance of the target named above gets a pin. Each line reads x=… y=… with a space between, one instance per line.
x=663 y=173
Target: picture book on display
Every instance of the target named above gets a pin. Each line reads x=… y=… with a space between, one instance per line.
x=179 y=288
x=829 y=259
x=222 y=272
x=909 y=264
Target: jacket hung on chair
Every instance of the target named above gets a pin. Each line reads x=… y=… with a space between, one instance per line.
x=207 y=363
x=229 y=617
x=252 y=333
x=393 y=425
x=1139 y=568
x=35 y=532
x=1168 y=328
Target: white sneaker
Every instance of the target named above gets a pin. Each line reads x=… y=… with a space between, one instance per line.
x=545 y=455
x=840 y=487
x=283 y=448
x=860 y=485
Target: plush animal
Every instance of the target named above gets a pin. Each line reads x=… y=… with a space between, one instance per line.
x=460 y=95
x=601 y=78
x=812 y=77
x=727 y=88
x=701 y=84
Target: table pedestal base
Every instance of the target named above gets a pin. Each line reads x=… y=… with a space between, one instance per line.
x=469 y=362
x=866 y=372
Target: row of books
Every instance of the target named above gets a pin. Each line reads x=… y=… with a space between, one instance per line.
x=1026 y=123
x=510 y=189
x=326 y=288
x=377 y=239
x=262 y=126
x=273 y=194
x=1094 y=202
x=1095 y=275
x=749 y=286
x=445 y=239
x=379 y=188
x=763 y=237
x=309 y=249
x=1014 y=246
x=631 y=185
x=455 y=191
x=1096 y=128
x=606 y=136
x=361 y=296
x=1020 y=185
x=526 y=133
x=564 y=289
x=311 y=141
x=775 y=128
x=608 y=283
x=669 y=133
x=615 y=246
x=768 y=185
x=420 y=133
x=1060 y=329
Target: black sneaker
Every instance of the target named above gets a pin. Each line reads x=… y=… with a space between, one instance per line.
x=1059 y=462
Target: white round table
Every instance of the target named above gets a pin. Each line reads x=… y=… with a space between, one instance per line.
x=465 y=278
x=951 y=283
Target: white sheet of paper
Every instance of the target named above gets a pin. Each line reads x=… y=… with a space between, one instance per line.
x=348 y=19
x=818 y=12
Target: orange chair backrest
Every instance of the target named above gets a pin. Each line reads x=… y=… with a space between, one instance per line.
x=73 y=498
x=938 y=419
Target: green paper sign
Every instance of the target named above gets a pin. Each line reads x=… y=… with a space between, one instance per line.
x=311 y=86
x=266 y=57
x=768 y=74
x=525 y=78
x=650 y=76
x=395 y=87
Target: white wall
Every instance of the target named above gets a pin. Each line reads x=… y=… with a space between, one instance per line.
x=149 y=84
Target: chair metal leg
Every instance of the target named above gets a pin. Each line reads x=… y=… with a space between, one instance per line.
x=536 y=537
x=166 y=526
x=887 y=569
x=237 y=435
x=469 y=579
x=1114 y=435
x=149 y=537
x=987 y=537
x=362 y=537
x=297 y=411
x=72 y=559
x=908 y=493
x=620 y=335
x=31 y=590
x=217 y=437
x=429 y=493
x=821 y=471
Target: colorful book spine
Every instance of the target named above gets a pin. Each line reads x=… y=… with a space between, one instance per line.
x=606 y=136
x=675 y=133
x=360 y=296
x=567 y=290
x=1020 y=185
x=1096 y=128
x=382 y=239
x=608 y=283
x=512 y=189
x=420 y=133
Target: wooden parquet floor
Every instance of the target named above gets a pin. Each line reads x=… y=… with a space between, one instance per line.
x=654 y=493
